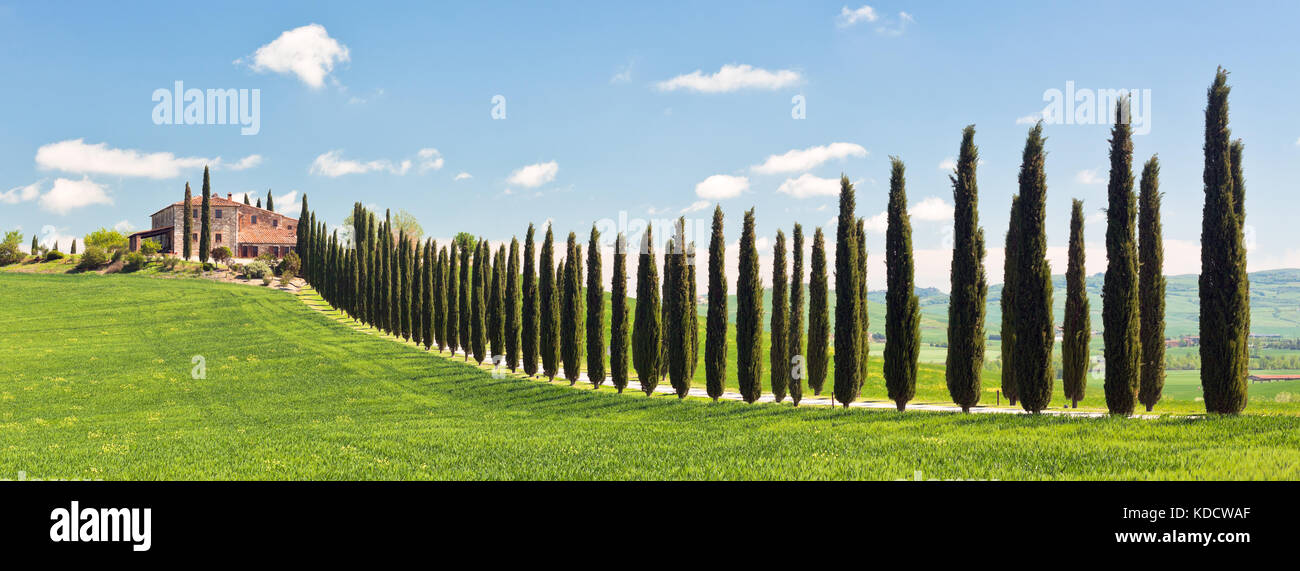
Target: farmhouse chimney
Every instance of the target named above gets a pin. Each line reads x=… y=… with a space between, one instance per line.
x=229 y=196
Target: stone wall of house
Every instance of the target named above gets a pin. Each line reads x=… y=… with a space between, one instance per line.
x=227 y=226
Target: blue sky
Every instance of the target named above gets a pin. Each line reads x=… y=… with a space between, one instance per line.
x=596 y=125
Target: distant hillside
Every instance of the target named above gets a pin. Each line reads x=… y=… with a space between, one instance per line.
x=1274 y=303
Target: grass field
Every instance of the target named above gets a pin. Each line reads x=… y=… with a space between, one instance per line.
x=95 y=382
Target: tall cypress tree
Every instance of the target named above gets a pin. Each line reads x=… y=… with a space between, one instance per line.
x=205 y=219
x=864 y=335
x=466 y=299
x=646 y=338
x=480 y=274
x=429 y=308
x=246 y=200
x=404 y=286
x=618 y=325
x=666 y=306
x=1239 y=208
x=440 y=304
x=512 y=306
x=1035 y=333
x=1077 y=328
x=528 y=325
x=270 y=201
x=1224 y=293
x=1121 y=319
x=715 y=337
x=778 y=356
x=965 y=361
x=1010 y=386
x=188 y=225
x=819 y=322
x=595 y=311
x=678 y=301
x=570 y=325
x=1151 y=286
x=794 y=337
x=848 y=310
x=452 y=325
x=417 y=292
x=902 y=308
x=496 y=318
x=749 y=315
x=548 y=305
x=692 y=314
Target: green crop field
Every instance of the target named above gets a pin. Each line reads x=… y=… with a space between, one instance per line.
x=95 y=382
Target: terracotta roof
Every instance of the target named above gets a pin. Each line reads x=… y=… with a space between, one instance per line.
x=265 y=233
x=163 y=230
x=197 y=201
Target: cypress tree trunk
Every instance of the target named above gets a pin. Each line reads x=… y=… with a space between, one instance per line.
x=595 y=311
x=1010 y=386
x=548 y=305
x=1121 y=322
x=902 y=309
x=1035 y=333
x=794 y=336
x=453 y=298
x=1078 y=329
x=819 y=323
x=715 y=336
x=749 y=315
x=848 y=301
x=512 y=306
x=1151 y=286
x=965 y=360
x=1224 y=293
x=528 y=324
x=188 y=226
x=780 y=321
x=618 y=326
x=677 y=301
x=205 y=219
x=572 y=306
x=646 y=332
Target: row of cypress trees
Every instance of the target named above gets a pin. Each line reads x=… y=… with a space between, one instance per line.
x=465 y=296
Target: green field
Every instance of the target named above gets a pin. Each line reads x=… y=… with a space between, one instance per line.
x=95 y=382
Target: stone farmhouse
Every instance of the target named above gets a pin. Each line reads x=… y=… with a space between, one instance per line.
x=247 y=230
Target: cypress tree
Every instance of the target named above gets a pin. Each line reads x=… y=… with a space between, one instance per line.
x=595 y=311
x=270 y=201
x=496 y=317
x=1010 y=386
x=618 y=326
x=528 y=325
x=73 y=251
x=1035 y=333
x=647 y=340
x=404 y=287
x=819 y=323
x=780 y=321
x=205 y=219
x=571 y=311
x=478 y=301
x=965 y=361
x=864 y=336
x=452 y=324
x=902 y=309
x=259 y=202
x=394 y=278
x=848 y=301
x=1077 y=328
x=794 y=338
x=715 y=336
x=1239 y=208
x=677 y=327
x=246 y=201
x=466 y=297
x=1151 y=286
x=749 y=315
x=1121 y=319
x=666 y=305
x=512 y=306
x=1224 y=293
x=441 y=302
x=428 y=307
x=548 y=305
x=187 y=249
x=692 y=315
x=36 y=245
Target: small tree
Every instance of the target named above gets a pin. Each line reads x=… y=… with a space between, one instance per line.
x=221 y=254
x=148 y=247
x=780 y=321
x=1077 y=329
x=1151 y=286
x=819 y=323
x=188 y=226
x=1010 y=386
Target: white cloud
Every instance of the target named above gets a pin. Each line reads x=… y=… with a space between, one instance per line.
x=720 y=186
x=807 y=186
x=430 y=159
x=799 y=160
x=863 y=14
x=533 y=176
x=284 y=203
x=1089 y=176
x=75 y=156
x=307 y=52
x=731 y=78
x=124 y=226
x=948 y=164
x=623 y=75
x=68 y=194
x=932 y=209
x=696 y=206
x=877 y=224
x=1097 y=217
x=1031 y=119
x=897 y=27
x=332 y=164
x=464 y=176
x=21 y=193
